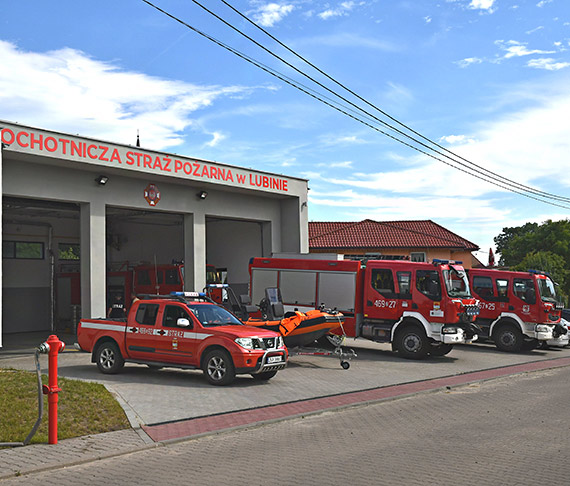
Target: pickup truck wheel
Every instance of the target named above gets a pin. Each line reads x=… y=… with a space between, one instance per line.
x=508 y=338
x=219 y=367
x=440 y=349
x=412 y=342
x=267 y=375
x=108 y=358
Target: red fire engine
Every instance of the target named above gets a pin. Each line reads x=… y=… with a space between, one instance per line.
x=421 y=308
x=126 y=279
x=518 y=309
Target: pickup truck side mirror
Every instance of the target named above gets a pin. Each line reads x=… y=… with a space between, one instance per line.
x=183 y=322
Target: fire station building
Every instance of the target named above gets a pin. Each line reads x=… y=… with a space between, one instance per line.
x=75 y=209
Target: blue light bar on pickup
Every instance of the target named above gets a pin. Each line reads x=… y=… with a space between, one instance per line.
x=188 y=294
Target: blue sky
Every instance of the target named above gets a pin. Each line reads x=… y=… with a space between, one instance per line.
x=488 y=79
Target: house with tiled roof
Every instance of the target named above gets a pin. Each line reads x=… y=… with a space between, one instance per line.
x=422 y=240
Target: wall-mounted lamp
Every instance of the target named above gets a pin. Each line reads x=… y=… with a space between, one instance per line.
x=101 y=180
x=202 y=195
x=303 y=204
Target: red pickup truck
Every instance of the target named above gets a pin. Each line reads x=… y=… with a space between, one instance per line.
x=187 y=331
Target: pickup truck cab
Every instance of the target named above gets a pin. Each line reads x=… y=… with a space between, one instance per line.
x=185 y=330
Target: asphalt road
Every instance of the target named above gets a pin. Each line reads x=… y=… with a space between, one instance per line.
x=513 y=430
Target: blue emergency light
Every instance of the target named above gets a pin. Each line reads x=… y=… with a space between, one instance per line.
x=188 y=294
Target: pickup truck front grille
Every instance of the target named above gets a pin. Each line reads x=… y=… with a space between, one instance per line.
x=270 y=343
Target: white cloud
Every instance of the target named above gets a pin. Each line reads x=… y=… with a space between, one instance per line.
x=272 y=13
x=468 y=62
x=427 y=187
x=332 y=140
x=548 y=64
x=518 y=49
x=427 y=19
x=532 y=31
x=69 y=91
x=482 y=5
x=341 y=10
x=360 y=205
x=348 y=40
x=216 y=138
x=347 y=164
x=542 y=3
x=456 y=139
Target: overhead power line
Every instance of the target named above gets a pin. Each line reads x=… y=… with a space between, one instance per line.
x=345 y=110
x=309 y=63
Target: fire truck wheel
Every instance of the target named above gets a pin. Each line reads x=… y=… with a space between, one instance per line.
x=412 y=342
x=440 y=349
x=508 y=338
x=108 y=358
x=219 y=367
x=264 y=376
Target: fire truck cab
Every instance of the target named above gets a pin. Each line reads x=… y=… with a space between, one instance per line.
x=518 y=309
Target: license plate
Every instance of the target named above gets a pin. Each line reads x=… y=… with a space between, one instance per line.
x=274 y=359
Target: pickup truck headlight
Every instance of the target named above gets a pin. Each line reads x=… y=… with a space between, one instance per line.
x=280 y=342
x=248 y=343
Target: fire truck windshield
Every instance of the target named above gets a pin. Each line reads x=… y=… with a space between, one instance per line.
x=547 y=290
x=456 y=283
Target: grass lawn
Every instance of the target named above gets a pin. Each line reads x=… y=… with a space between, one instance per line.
x=83 y=408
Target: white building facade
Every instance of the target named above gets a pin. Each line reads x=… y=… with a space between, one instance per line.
x=118 y=205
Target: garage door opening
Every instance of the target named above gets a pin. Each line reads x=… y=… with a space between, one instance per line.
x=38 y=238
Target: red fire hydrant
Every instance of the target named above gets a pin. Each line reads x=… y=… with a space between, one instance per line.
x=52 y=346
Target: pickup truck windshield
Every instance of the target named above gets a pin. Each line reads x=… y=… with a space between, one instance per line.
x=547 y=290
x=456 y=283
x=211 y=315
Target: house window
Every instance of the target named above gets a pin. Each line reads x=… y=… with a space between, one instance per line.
x=418 y=256
x=25 y=250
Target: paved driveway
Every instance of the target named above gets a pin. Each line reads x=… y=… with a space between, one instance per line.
x=152 y=397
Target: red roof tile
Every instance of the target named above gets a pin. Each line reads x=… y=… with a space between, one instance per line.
x=384 y=234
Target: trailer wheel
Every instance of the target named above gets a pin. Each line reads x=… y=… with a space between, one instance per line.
x=267 y=375
x=411 y=342
x=108 y=358
x=508 y=338
x=440 y=349
x=219 y=367
x=330 y=341
x=345 y=365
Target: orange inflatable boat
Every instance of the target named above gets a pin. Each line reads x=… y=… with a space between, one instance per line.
x=301 y=328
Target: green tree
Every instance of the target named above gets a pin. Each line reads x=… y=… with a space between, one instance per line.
x=543 y=247
x=515 y=243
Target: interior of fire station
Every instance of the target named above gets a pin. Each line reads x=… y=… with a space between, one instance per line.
x=66 y=233
x=42 y=256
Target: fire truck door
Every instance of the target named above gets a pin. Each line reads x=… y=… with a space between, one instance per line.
x=427 y=295
x=381 y=299
x=525 y=297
